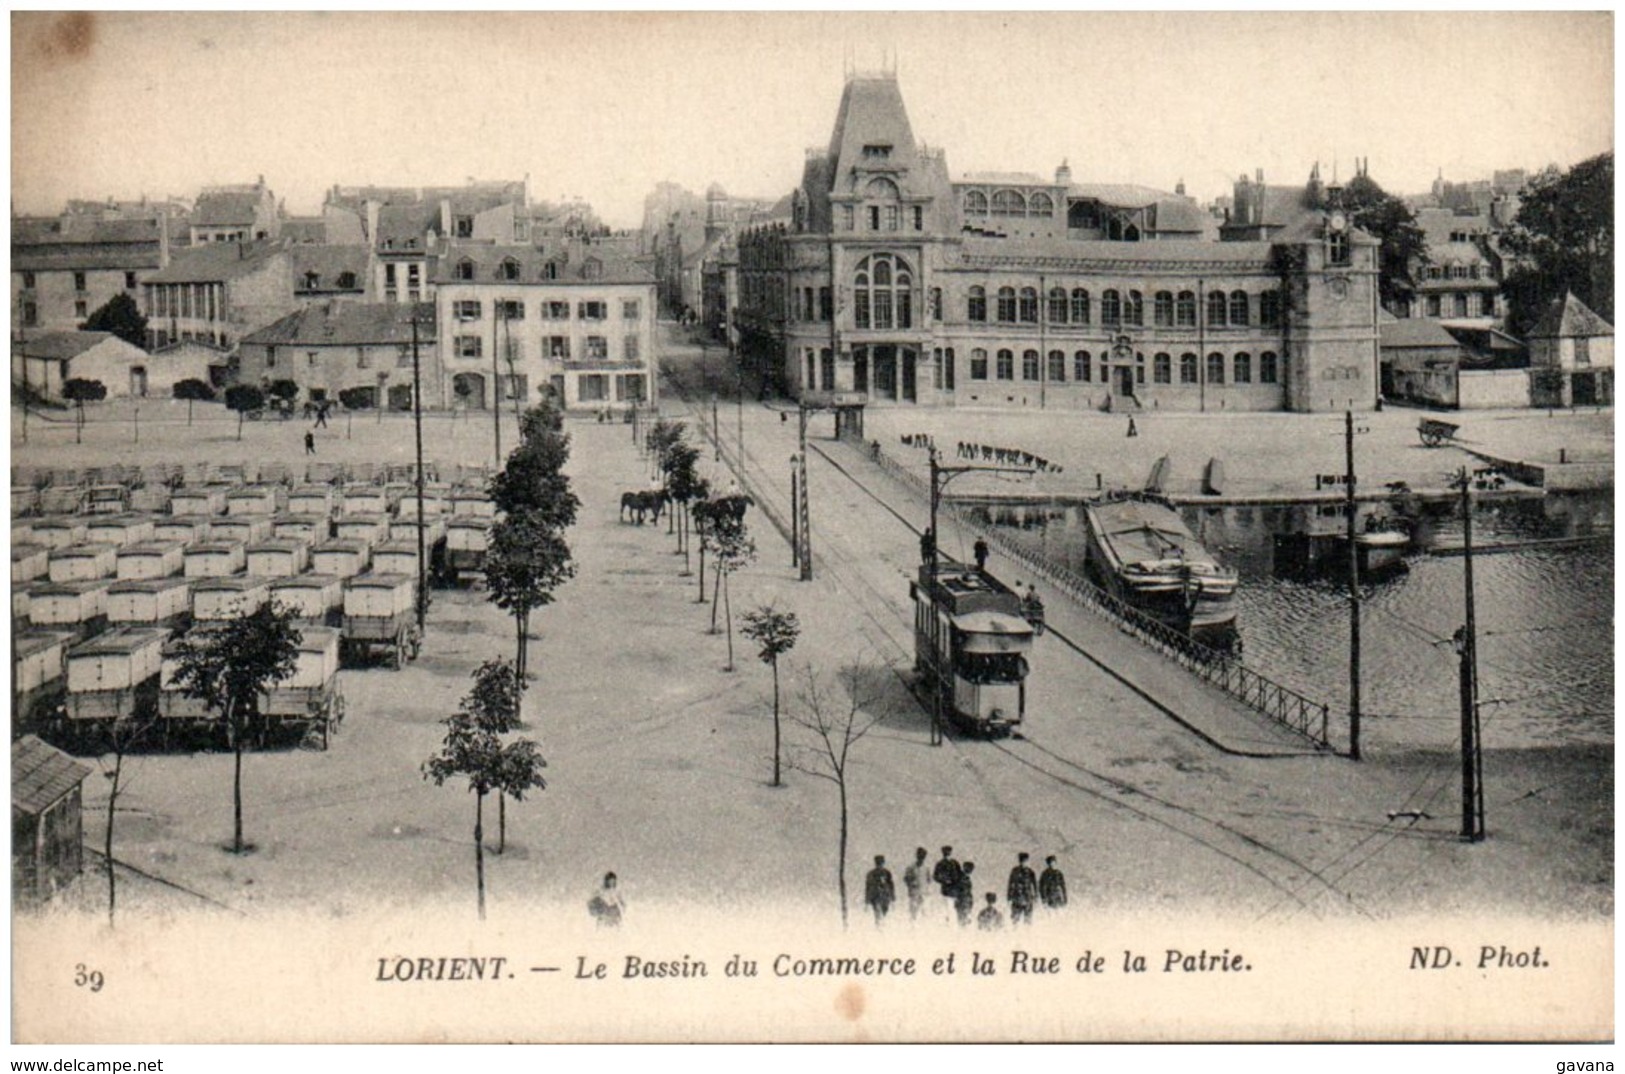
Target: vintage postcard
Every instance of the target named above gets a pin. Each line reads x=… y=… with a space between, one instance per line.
x=587 y=527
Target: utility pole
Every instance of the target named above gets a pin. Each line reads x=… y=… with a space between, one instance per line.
x=417 y=425
x=795 y=515
x=805 y=514
x=496 y=397
x=1472 y=755
x=1354 y=589
x=716 y=430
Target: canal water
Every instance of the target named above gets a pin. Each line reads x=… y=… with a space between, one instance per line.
x=1544 y=614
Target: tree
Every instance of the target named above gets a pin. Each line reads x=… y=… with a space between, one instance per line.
x=227 y=667
x=285 y=390
x=525 y=562
x=1563 y=240
x=244 y=398
x=775 y=634
x=80 y=391
x=356 y=398
x=192 y=389
x=684 y=485
x=1386 y=219
x=122 y=737
x=474 y=750
x=835 y=727
x=533 y=482
x=120 y=316
x=735 y=548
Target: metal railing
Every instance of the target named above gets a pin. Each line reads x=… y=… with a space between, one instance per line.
x=1222 y=670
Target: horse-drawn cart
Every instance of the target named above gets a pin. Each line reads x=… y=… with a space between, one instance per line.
x=112 y=678
x=309 y=698
x=467 y=539
x=380 y=612
x=1435 y=433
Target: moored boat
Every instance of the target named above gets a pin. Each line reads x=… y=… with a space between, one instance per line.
x=1142 y=552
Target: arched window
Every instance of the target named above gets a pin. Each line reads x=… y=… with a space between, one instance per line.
x=978 y=364
x=1215 y=309
x=1187 y=368
x=1009 y=203
x=1134 y=309
x=1266 y=368
x=1162 y=368
x=1215 y=368
x=465 y=269
x=1029 y=305
x=1241 y=368
x=1269 y=309
x=882 y=293
x=1238 y=309
x=976 y=305
x=1111 y=309
x=1007 y=305
x=1029 y=365
x=1162 y=309
x=1057 y=305
x=508 y=270
x=881 y=188
x=1007 y=365
x=1185 y=309
x=1040 y=204
x=881 y=206
x=1080 y=306
x=1057 y=365
x=975 y=203
x=1081 y=367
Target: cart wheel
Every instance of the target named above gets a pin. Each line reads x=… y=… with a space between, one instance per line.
x=398 y=659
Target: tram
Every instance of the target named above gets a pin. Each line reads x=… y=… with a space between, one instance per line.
x=971 y=642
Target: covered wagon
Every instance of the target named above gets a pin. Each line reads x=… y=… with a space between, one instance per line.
x=29 y=562
x=185 y=529
x=252 y=500
x=58 y=531
x=77 y=606
x=343 y=558
x=24 y=500
x=228 y=598
x=315 y=599
x=308 y=700
x=244 y=528
x=371 y=528
x=279 y=557
x=363 y=499
x=472 y=503
x=83 y=562
x=436 y=502
x=157 y=602
x=380 y=613
x=113 y=677
x=150 y=559
x=106 y=499
x=39 y=665
x=312 y=500
x=122 y=530
x=466 y=541
x=213 y=559
x=306 y=527
x=204 y=500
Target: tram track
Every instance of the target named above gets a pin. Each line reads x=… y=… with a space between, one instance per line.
x=1298 y=884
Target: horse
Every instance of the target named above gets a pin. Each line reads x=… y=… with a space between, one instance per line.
x=721 y=508
x=640 y=503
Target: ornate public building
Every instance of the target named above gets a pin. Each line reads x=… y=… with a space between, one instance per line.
x=890 y=281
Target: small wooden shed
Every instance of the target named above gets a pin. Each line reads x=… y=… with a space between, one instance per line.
x=47 y=820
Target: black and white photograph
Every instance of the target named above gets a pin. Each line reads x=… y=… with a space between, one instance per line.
x=621 y=527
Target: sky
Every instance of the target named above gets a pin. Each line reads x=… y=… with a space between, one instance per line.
x=604 y=106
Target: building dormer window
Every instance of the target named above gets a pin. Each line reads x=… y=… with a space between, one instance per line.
x=465 y=269
x=508 y=270
x=463 y=227
x=592 y=269
x=347 y=281
x=313 y=280
x=877 y=152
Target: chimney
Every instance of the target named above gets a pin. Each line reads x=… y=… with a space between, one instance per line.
x=1063 y=174
x=371 y=209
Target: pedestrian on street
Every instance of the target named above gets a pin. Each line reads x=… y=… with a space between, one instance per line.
x=981 y=553
x=1132 y=431
x=914 y=881
x=946 y=873
x=878 y=892
x=990 y=920
x=321 y=414
x=310 y=442
x=1022 y=891
x=1052 y=885
x=928 y=544
x=606 y=904
x=965 y=894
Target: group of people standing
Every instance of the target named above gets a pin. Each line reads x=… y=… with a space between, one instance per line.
x=1007 y=457
x=954 y=881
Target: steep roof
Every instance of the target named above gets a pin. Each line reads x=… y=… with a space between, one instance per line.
x=60 y=346
x=227 y=208
x=871 y=113
x=210 y=262
x=41 y=775
x=304 y=229
x=83 y=242
x=1415 y=332
x=328 y=262
x=348 y=324
x=487 y=259
x=1569 y=318
x=398 y=224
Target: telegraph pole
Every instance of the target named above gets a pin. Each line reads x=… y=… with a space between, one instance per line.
x=1472 y=755
x=805 y=513
x=1354 y=590
x=795 y=515
x=496 y=397
x=417 y=425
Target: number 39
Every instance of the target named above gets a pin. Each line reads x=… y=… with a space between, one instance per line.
x=87 y=978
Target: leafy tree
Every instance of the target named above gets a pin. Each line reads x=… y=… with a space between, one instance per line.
x=120 y=316
x=1386 y=219
x=474 y=749
x=122 y=738
x=227 y=667
x=735 y=548
x=80 y=391
x=683 y=483
x=1562 y=241
x=244 y=398
x=525 y=562
x=285 y=390
x=775 y=634
x=192 y=389
x=356 y=398
x=835 y=726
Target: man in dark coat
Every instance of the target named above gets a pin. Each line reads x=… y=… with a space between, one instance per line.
x=1022 y=891
x=981 y=554
x=1052 y=885
x=965 y=894
x=946 y=873
x=878 y=892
